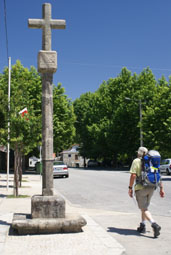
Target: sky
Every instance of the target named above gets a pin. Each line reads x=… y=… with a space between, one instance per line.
x=101 y=37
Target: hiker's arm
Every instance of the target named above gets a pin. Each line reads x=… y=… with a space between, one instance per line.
x=131 y=183
x=161 y=190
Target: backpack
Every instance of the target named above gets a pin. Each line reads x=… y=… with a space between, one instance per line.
x=150 y=174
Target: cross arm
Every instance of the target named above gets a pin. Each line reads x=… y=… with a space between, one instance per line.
x=35 y=23
x=58 y=24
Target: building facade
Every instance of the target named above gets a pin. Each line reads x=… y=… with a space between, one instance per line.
x=72 y=158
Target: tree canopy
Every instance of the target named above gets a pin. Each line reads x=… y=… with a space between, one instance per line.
x=25 y=131
x=105 y=123
x=63 y=120
x=25 y=92
x=108 y=120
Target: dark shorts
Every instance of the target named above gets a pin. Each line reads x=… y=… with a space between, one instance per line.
x=143 y=197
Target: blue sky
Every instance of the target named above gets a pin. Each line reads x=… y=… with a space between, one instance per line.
x=100 y=38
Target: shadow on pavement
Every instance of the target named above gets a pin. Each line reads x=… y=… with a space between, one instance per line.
x=2 y=222
x=4 y=186
x=1 y=195
x=99 y=168
x=123 y=231
x=127 y=232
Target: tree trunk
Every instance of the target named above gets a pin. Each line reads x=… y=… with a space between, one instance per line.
x=115 y=160
x=24 y=163
x=84 y=162
x=16 y=166
x=20 y=168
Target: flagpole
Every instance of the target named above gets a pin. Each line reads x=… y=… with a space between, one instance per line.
x=8 y=145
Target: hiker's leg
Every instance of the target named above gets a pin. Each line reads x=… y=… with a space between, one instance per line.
x=146 y=215
x=143 y=198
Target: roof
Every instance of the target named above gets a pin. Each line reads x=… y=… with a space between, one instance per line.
x=74 y=149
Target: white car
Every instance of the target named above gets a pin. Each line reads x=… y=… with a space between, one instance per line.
x=60 y=169
x=165 y=166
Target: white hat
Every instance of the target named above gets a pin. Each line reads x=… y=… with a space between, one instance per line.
x=142 y=151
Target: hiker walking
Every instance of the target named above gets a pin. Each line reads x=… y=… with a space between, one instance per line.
x=143 y=192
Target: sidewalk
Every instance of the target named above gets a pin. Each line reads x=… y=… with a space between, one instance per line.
x=93 y=240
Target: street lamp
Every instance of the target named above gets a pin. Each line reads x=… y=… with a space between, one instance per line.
x=140 y=114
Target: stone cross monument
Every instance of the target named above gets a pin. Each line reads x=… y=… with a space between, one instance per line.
x=48 y=209
x=47 y=65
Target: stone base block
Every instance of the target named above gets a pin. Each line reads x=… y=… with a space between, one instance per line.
x=47 y=207
x=24 y=224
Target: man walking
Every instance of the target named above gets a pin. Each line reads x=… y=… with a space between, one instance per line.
x=143 y=193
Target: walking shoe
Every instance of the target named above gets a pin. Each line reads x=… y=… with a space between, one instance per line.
x=156 y=229
x=141 y=228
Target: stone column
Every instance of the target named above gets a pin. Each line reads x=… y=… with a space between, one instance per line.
x=47 y=133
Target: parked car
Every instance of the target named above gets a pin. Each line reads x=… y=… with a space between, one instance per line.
x=165 y=166
x=60 y=169
x=92 y=163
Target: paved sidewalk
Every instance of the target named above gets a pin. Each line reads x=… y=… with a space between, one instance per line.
x=93 y=240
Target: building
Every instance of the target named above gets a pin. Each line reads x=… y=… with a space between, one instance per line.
x=72 y=158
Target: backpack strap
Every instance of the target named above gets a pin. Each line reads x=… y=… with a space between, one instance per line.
x=139 y=178
x=143 y=164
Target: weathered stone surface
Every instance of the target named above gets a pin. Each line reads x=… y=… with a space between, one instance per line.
x=47 y=61
x=70 y=224
x=47 y=64
x=47 y=207
x=47 y=133
x=46 y=24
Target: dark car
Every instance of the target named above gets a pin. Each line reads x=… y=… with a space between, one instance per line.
x=92 y=163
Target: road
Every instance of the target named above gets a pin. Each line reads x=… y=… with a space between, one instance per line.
x=104 y=195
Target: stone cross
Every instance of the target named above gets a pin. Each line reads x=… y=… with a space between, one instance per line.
x=47 y=65
x=46 y=24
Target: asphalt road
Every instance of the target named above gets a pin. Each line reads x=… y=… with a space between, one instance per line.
x=104 y=195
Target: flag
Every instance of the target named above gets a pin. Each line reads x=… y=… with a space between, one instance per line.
x=23 y=112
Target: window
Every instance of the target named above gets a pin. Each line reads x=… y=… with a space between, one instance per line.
x=76 y=157
x=163 y=162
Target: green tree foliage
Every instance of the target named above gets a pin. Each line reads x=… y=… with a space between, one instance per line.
x=25 y=92
x=25 y=132
x=108 y=124
x=63 y=120
x=87 y=124
x=157 y=119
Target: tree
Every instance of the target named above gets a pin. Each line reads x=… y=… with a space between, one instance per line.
x=108 y=126
x=25 y=132
x=87 y=124
x=157 y=120
x=63 y=120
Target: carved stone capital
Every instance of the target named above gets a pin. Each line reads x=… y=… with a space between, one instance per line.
x=47 y=61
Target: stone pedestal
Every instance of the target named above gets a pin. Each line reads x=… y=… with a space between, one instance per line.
x=47 y=216
x=24 y=225
x=47 y=207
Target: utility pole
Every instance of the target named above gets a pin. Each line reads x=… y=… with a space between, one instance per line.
x=8 y=144
x=140 y=116
x=141 y=133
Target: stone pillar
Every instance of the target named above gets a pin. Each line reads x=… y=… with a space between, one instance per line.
x=47 y=134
